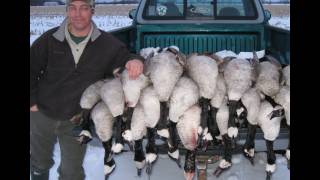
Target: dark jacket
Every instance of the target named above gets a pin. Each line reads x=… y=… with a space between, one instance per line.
x=57 y=83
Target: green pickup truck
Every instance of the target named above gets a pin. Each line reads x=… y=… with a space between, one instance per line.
x=207 y=26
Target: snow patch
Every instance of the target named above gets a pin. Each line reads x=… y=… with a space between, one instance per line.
x=233 y=177
x=236 y=159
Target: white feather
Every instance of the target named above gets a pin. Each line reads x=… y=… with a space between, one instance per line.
x=91 y=95
x=184 y=95
x=132 y=87
x=268 y=80
x=220 y=92
x=151 y=106
x=286 y=75
x=204 y=71
x=283 y=98
x=222 y=118
x=138 y=126
x=187 y=127
x=103 y=121
x=116 y=148
x=270 y=128
x=237 y=75
x=165 y=72
x=112 y=94
x=251 y=100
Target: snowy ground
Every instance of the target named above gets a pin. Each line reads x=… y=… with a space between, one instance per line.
x=165 y=168
x=41 y=23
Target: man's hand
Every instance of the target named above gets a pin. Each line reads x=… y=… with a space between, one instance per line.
x=135 y=68
x=34 y=108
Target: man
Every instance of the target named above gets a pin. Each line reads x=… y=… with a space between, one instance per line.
x=63 y=62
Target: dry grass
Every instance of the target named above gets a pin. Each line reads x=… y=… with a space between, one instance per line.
x=123 y=10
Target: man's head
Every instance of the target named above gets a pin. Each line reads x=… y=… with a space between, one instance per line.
x=80 y=13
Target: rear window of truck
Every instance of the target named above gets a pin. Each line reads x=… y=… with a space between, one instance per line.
x=200 y=9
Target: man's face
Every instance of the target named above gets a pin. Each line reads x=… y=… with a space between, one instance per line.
x=80 y=14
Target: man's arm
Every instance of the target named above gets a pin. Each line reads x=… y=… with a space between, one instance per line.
x=132 y=62
x=38 y=61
